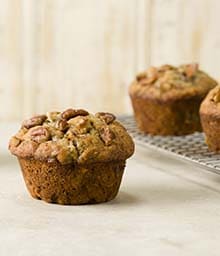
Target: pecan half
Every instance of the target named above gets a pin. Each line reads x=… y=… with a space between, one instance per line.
x=70 y=113
x=107 y=135
x=107 y=117
x=26 y=149
x=191 y=69
x=39 y=134
x=141 y=76
x=34 y=121
x=152 y=75
x=62 y=125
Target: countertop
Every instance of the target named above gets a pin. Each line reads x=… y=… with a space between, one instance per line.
x=164 y=207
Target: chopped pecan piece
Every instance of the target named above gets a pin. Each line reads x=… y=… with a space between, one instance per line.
x=70 y=113
x=107 y=117
x=191 y=69
x=107 y=135
x=141 y=76
x=34 y=121
x=62 y=125
x=39 y=134
x=79 y=125
x=26 y=149
x=216 y=97
x=152 y=75
x=53 y=116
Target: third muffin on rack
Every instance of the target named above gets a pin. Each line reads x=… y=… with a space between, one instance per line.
x=166 y=99
x=210 y=119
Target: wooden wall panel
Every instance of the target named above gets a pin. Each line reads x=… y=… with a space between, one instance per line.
x=60 y=53
x=164 y=42
x=10 y=60
x=186 y=31
x=29 y=57
x=86 y=54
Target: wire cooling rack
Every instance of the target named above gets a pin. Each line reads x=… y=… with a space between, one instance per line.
x=191 y=148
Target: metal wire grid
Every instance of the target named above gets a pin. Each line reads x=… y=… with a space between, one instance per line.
x=191 y=148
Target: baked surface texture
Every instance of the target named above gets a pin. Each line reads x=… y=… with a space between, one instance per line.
x=210 y=119
x=72 y=157
x=166 y=99
x=72 y=184
x=73 y=136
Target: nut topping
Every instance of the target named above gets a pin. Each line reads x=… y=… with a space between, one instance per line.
x=216 y=97
x=191 y=69
x=107 y=117
x=72 y=137
x=107 y=135
x=62 y=125
x=53 y=116
x=26 y=149
x=79 y=125
x=34 y=121
x=39 y=134
x=152 y=75
x=70 y=113
x=141 y=76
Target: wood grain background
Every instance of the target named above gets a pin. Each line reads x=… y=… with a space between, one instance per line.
x=84 y=53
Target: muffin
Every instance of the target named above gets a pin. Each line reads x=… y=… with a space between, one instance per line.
x=72 y=157
x=210 y=119
x=166 y=100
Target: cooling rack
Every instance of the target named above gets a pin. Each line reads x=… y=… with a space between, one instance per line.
x=190 y=148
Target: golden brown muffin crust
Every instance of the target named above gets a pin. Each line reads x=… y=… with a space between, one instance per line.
x=72 y=136
x=72 y=184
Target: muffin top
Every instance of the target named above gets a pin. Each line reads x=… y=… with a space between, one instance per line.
x=211 y=104
x=72 y=136
x=169 y=83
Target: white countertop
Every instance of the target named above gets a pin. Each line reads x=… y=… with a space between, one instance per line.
x=165 y=207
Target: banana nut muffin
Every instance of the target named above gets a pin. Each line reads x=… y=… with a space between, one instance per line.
x=166 y=99
x=72 y=157
x=210 y=119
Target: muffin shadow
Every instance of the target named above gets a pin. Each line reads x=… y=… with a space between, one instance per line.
x=124 y=199
x=166 y=195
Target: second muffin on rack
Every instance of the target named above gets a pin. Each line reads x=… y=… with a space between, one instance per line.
x=166 y=100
